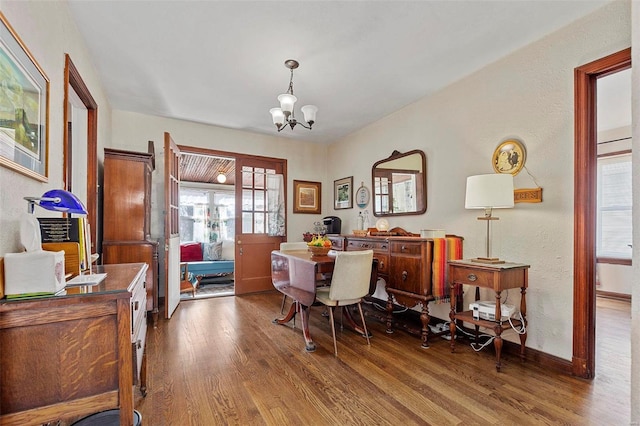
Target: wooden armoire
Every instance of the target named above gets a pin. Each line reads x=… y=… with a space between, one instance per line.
x=126 y=221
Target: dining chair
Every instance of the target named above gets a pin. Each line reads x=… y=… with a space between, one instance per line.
x=349 y=284
x=297 y=245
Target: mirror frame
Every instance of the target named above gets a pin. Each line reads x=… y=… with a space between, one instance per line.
x=394 y=156
x=73 y=79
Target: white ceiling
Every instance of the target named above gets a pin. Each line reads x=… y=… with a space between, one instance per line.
x=222 y=62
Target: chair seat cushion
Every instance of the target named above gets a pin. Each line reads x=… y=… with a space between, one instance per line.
x=322 y=294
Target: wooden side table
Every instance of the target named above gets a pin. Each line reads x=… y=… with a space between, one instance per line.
x=498 y=277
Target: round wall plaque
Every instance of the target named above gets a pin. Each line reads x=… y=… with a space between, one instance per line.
x=362 y=197
x=509 y=157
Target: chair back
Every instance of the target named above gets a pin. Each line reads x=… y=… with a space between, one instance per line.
x=351 y=275
x=301 y=245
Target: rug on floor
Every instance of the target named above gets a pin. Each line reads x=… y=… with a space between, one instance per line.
x=210 y=290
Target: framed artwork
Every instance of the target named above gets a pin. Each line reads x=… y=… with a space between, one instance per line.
x=509 y=157
x=24 y=107
x=343 y=193
x=307 y=197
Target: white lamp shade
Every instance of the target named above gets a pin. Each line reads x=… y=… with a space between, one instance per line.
x=221 y=178
x=286 y=102
x=277 y=115
x=309 y=112
x=489 y=191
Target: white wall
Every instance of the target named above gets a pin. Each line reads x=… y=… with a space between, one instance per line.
x=527 y=95
x=48 y=31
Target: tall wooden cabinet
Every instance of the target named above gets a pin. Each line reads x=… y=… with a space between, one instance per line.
x=127 y=215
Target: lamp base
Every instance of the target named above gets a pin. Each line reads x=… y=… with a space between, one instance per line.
x=492 y=260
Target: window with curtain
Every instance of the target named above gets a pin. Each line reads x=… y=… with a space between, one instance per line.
x=614 y=222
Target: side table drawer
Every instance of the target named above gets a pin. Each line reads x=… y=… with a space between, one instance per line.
x=472 y=277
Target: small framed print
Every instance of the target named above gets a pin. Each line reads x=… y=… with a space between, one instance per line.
x=307 y=197
x=343 y=193
x=362 y=197
x=509 y=157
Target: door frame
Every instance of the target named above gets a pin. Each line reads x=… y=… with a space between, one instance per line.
x=238 y=156
x=585 y=207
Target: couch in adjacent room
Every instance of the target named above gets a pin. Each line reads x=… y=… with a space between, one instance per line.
x=204 y=262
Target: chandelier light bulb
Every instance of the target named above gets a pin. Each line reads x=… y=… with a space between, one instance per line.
x=221 y=178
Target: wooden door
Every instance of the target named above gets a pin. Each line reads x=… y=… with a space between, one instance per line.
x=253 y=242
x=171 y=225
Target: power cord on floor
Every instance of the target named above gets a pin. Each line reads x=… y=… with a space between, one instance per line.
x=383 y=308
x=480 y=346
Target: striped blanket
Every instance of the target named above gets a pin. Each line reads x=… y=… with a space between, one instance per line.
x=444 y=249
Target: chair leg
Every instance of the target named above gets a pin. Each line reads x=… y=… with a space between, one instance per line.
x=284 y=299
x=333 y=331
x=364 y=324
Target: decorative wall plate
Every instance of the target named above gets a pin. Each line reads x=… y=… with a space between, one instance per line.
x=509 y=157
x=362 y=197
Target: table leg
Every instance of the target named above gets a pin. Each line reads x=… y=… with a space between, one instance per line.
x=452 y=314
x=497 y=343
x=353 y=324
x=296 y=307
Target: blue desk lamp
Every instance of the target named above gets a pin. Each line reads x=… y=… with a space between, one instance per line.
x=57 y=200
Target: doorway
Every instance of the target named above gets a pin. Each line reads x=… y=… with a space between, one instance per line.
x=257 y=224
x=585 y=207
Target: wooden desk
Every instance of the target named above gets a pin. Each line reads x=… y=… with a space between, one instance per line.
x=297 y=274
x=65 y=357
x=498 y=277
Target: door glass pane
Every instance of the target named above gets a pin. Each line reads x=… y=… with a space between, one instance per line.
x=247 y=177
x=247 y=222
x=259 y=201
x=247 y=200
x=258 y=226
x=258 y=178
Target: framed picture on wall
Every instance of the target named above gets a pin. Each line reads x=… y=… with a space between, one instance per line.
x=24 y=107
x=307 y=197
x=343 y=193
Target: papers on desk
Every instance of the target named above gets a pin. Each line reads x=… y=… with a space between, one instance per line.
x=90 y=279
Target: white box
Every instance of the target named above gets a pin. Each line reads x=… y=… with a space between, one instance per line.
x=432 y=233
x=486 y=310
x=33 y=272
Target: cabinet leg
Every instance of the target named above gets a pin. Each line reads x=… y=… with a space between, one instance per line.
x=389 y=315
x=424 y=318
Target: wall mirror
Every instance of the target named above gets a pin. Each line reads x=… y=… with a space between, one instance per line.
x=400 y=184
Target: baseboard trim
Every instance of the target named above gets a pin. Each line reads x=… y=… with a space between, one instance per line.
x=612 y=295
x=409 y=321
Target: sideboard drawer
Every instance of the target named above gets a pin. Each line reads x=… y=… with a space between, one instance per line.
x=368 y=244
x=383 y=263
x=406 y=248
x=469 y=276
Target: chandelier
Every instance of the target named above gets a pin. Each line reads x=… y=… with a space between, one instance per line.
x=285 y=114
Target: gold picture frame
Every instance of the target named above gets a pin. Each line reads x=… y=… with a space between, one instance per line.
x=307 y=197
x=509 y=157
x=24 y=128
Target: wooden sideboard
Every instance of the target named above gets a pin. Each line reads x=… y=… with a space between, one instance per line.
x=405 y=263
x=65 y=357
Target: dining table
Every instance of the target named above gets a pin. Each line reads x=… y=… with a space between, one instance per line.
x=297 y=274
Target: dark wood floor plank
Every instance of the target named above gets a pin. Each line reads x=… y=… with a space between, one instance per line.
x=223 y=361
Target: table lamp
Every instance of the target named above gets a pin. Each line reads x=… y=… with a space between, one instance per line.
x=488 y=192
x=57 y=200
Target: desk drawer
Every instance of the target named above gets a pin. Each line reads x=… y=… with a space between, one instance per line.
x=137 y=346
x=138 y=307
x=406 y=248
x=472 y=276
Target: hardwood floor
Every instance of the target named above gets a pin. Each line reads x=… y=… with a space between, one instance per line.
x=222 y=361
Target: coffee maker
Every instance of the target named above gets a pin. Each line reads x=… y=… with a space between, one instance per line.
x=333 y=224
